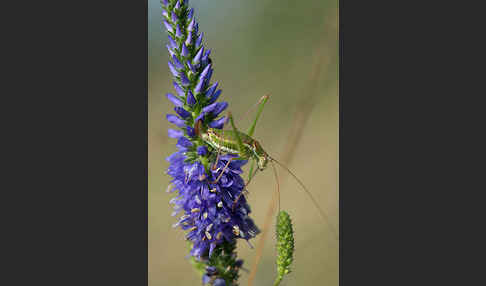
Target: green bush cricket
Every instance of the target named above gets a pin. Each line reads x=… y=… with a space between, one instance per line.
x=246 y=148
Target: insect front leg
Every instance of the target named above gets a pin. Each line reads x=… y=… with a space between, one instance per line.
x=222 y=171
x=217 y=160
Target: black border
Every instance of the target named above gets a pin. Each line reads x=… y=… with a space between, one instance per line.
x=408 y=132
x=80 y=146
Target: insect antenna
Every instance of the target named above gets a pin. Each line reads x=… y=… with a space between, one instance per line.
x=278 y=185
x=321 y=211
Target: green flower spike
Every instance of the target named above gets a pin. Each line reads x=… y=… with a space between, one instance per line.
x=285 y=245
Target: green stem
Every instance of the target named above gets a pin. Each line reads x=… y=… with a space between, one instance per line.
x=277 y=281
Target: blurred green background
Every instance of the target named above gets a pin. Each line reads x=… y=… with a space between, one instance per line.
x=290 y=50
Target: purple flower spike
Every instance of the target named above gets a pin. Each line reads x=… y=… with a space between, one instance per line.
x=190 y=14
x=173 y=45
x=219 y=282
x=173 y=70
x=218 y=124
x=190 y=98
x=168 y=26
x=211 y=90
x=179 y=90
x=176 y=120
x=215 y=96
x=202 y=150
x=190 y=131
x=199 y=40
x=199 y=86
x=174 y=100
x=211 y=270
x=200 y=117
x=185 y=82
x=198 y=56
x=171 y=52
x=239 y=263
x=215 y=108
x=175 y=133
x=221 y=106
x=204 y=73
x=177 y=63
x=210 y=217
x=202 y=78
x=178 y=32
x=209 y=108
x=182 y=112
x=190 y=27
x=191 y=67
x=185 y=52
x=208 y=77
x=188 y=41
x=205 y=279
x=183 y=143
x=206 y=55
x=173 y=17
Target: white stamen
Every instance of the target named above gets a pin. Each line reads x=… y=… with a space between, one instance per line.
x=236 y=230
x=195 y=210
x=169 y=187
x=205 y=215
x=208 y=235
x=220 y=204
x=209 y=227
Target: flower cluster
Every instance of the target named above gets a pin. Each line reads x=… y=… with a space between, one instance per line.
x=205 y=203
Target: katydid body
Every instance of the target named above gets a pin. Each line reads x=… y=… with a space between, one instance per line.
x=246 y=148
x=227 y=141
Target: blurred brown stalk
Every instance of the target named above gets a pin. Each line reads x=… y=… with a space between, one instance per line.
x=303 y=110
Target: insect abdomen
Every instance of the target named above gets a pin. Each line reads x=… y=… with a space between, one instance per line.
x=227 y=142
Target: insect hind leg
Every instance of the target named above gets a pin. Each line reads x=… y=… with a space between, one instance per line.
x=244 y=190
x=261 y=104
